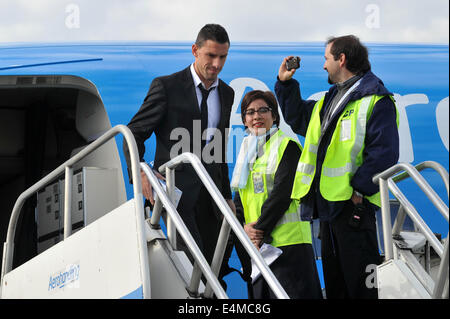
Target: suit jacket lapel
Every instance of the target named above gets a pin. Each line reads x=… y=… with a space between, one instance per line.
x=191 y=95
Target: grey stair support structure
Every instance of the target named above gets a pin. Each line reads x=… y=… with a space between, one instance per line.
x=399 y=245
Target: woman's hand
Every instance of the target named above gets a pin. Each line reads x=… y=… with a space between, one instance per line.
x=255 y=235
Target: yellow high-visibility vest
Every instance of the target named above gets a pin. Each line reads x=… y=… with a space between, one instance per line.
x=344 y=153
x=289 y=229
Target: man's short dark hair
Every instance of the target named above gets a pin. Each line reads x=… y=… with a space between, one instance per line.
x=214 y=32
x=267 y=96
x=355 y=52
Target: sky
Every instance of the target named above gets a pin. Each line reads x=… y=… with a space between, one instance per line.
x=398 y=21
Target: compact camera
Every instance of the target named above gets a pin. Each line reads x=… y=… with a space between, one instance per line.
x=293 y=63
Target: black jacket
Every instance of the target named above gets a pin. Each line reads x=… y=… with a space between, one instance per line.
x=171 y=103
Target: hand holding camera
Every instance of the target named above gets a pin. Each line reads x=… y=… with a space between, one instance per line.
x=288 y=67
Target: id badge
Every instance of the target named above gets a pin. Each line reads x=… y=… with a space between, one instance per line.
x=258 y=183
x=346 y=130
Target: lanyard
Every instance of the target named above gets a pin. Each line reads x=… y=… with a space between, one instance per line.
x=338 y=105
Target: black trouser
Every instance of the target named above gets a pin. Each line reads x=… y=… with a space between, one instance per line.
x=203 y=224
x=346 y=253
x=296 y=271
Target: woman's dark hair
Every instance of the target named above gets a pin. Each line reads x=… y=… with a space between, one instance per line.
x=267 y=96
x=356 y=54
x=214 y=32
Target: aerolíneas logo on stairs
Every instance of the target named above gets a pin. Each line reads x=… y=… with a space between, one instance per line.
x=65 y=278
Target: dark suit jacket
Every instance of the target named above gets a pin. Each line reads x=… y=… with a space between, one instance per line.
x=171 y=103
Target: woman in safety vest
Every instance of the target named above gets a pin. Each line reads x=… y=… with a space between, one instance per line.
x=263 y=179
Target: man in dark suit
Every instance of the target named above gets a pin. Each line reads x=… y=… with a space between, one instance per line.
x=175 y=105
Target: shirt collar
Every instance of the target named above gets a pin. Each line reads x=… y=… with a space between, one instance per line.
x=197 y=80
x=348 y=83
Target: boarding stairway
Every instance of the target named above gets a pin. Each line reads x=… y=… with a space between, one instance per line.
x=123 y=250
x=416 y=264
x=123 y=254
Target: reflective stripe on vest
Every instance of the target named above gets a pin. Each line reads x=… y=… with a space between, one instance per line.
x=290 y=217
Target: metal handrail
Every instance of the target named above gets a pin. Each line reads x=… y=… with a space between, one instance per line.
x=230 y=220
x=427 y=164
x=387 y=181
x=413 y=172
x=8 y=249
x=182 y=229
